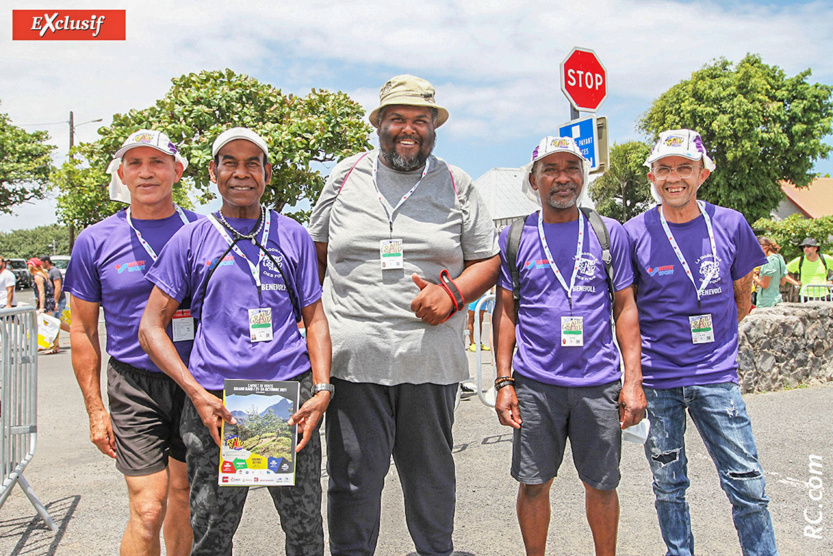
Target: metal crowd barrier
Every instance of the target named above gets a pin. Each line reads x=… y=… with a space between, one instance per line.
x=816 y=292
x=18 y=402
x=489 y=395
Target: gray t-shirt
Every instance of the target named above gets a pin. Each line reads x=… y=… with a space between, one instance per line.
x=55 y=274
x=376 y=337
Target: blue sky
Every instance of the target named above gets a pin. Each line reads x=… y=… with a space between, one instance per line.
x=494 y=63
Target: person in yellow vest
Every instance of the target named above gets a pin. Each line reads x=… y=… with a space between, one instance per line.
x=811 y=267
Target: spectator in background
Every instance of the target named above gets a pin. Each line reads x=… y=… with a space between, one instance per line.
x=7 y=284
x=44 y=290
x=57 y=280
x=810 y=266
x=44 y=293
x=487 y=308
x=772 y=275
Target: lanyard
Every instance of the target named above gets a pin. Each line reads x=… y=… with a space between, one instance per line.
x=702 y=206
x=553 y=266
x=404 y=197
x=255 y=269
x=142 y=240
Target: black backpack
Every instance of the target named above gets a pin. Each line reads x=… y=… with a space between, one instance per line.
x=513 y=241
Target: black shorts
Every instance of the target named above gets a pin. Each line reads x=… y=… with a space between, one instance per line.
x=588 y=416
x=145 y=410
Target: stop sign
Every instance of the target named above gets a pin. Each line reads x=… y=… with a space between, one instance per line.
x=583 y=79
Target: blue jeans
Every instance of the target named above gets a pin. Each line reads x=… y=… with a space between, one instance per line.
x=720 y=416
x=59 y=308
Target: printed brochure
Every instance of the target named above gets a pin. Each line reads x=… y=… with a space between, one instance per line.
x=260 y=449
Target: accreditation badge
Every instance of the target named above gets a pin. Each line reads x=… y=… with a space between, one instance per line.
x=702 y=331
x=391 y=255
x=260 y=325
x=572 y=331
x=182 y=326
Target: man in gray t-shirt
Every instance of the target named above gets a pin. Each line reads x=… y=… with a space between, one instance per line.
x=387 y=225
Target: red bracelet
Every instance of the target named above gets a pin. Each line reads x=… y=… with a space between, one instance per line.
x=457 y=299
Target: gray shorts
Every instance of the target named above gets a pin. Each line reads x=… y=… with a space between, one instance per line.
x=145 y=410
x=588 y=416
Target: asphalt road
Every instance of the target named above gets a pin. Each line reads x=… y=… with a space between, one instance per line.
x=87 y=498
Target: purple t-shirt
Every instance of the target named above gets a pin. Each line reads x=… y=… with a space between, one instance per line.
x=222 y=345
x=108 y=266
x=543 y=302
x=666 y=297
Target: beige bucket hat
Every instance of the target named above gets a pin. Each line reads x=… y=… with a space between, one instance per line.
x=410 y=91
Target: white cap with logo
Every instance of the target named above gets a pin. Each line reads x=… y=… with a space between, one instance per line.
x=680 y=142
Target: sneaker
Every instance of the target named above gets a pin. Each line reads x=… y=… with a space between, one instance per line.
x=473 y=347
x=484 y=347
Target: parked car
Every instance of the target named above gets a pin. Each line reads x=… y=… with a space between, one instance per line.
x=61 y=262
x=21 y=273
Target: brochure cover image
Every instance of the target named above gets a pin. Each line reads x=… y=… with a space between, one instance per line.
x=260 y=449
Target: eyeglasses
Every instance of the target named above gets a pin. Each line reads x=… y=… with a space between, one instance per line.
x=683 y=171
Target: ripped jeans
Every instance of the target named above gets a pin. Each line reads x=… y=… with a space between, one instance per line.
x=719 y=414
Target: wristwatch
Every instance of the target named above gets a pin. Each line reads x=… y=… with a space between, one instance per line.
x=324 y=387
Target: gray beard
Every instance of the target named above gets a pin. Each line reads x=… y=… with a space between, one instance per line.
x=562 y=204
x=401 y=164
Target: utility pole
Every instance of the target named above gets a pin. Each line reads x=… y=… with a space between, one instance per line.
x=72 y=127
x=71 y=143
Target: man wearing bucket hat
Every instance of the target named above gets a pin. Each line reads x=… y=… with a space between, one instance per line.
x=811 y=267
x=403 y=241
x=567 y=383
x=242 y=268
x=109 y=261
x=693 y=263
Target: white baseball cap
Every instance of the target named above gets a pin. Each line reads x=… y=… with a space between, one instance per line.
x=141 y=138
x=150 y=138
x=680 y=142
x=549 y=145
x=235 y=133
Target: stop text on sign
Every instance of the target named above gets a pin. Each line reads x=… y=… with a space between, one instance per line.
x=585 y=79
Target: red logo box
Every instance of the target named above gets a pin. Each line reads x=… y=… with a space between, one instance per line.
x=68 y=25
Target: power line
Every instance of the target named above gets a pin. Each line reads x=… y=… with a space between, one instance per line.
x=46 y=123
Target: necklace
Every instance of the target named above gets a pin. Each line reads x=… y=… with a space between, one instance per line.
x=251 y=235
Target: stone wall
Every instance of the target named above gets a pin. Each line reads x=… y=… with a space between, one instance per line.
x=787 y=345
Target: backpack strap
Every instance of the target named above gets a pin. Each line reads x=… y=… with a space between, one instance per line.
x=513 y=241
x=603 y=236
x=800 y=264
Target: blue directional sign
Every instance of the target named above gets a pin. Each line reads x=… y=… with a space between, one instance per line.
x=583 y=132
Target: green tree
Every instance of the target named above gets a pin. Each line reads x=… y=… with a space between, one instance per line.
x=788 y=233
x=36 y=242
x=303 y=133
x=624 y=191
x=25 y=164
x=759 y=125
